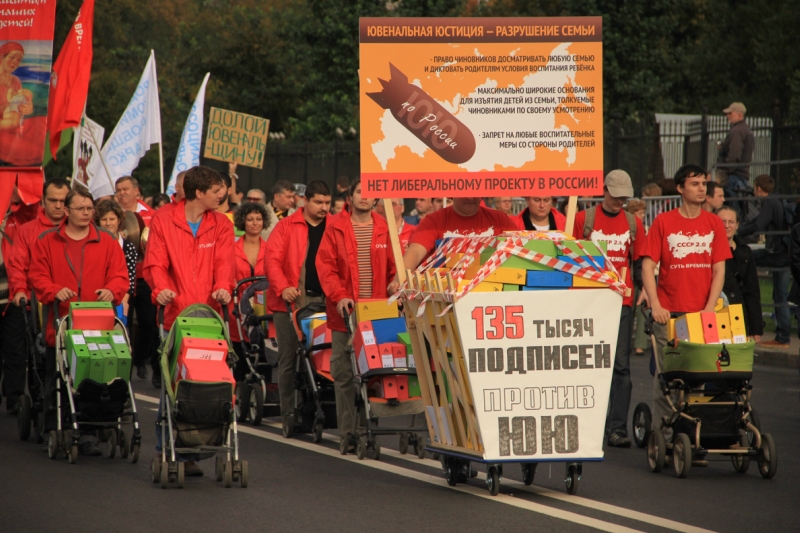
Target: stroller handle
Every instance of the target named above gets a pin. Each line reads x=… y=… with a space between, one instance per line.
x=160 y=316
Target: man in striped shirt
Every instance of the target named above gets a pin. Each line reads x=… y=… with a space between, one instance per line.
x=354 y=262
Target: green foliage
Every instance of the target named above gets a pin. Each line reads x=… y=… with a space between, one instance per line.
x=296 y=61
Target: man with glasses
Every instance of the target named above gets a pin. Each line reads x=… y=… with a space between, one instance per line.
x=540 y=215
x=79 y=262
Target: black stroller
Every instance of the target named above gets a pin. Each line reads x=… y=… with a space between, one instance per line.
x=314 y=398
x=30 y=411
x=258 y=356
x=196 y=416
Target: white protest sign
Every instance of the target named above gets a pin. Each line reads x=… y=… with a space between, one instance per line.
x=540 y=366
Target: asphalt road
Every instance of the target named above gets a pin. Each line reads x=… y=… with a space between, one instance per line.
x=296 y=485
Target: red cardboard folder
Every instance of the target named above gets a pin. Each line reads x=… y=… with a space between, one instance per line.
x=710 y=332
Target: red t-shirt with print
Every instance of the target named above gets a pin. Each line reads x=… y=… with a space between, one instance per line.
x=485 y=223
x=616 y=232
x=686 y=249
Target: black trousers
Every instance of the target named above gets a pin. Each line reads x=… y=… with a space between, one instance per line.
x=13 y=354
x=50 y=421
x=145 y=344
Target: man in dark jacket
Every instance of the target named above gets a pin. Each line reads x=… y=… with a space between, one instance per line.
x=775 y=255
x=794 y=265
x=739 y=145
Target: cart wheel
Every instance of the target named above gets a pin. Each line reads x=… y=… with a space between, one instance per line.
x=741 y=462
x=219 y=467
x=419 y=448
x=318 y=427
x=376 y=449
x=403 y=446
x=52 y=445
x=751 y=437
x=111 y=444
x=181 y=474
x=72 y=453
x=288 y=427
x=642 y=420
x=237 y=465
x=123 y=445
x=227 y=475
x=133 y=458
x=344 y=443
x=656 y=451
x=242 y=407
x=768 y=461
x=493 y=481
x=451 y=471
x=24 y=405
x=528 y=472
x=361 y=447
x=573 y=479
x=155 y=469
x=682 y=455
x=165 y=474
x=244 y=477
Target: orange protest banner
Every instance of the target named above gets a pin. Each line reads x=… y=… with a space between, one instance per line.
x=481 y=106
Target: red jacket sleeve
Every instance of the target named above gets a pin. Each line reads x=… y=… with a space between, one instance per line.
x=40 y=275
x=156 y=260
x=117 y=280
x=276 y=250
x=224 y=258
x=327 y=262
x=18 y=262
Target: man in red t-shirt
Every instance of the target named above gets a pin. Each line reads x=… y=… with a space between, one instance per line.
x=465 y=217
x=625 y=239
x=691 y=246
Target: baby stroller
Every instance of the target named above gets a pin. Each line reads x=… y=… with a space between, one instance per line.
x=258 y=352
x=30 y=409
x=92 y=406
x=707 y=387
x=196 y=416
x=371 y=410
x=314 y=398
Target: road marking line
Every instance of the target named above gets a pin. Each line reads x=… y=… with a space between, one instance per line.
x=509 y=500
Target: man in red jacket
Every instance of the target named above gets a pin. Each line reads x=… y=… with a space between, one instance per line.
x=354 y=262
x=541 y=215
x=80 y=262
x=190 y=257
x=293 y=279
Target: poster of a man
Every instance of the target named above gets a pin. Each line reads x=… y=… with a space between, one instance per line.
x=24 y=83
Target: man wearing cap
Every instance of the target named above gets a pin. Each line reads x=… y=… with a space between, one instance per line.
x=737 y=147
x=625 y=240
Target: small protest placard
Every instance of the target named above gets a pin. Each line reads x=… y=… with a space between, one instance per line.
x=236 y=137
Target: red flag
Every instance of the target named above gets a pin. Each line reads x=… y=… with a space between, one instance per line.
x=69 y=83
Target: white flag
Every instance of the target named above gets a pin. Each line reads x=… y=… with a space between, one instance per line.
x=86 y=143
x=136 y=131
x=189 y=150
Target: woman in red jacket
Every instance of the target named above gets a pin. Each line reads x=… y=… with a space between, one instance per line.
x=249 y=256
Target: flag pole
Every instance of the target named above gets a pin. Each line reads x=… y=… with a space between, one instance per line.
x=80 y=137
x=161 y=165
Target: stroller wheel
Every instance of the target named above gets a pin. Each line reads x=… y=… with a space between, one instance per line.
x=155 y=469
x=123 y=445
x=376 y=449
x=72 y=453
x=361 y=447
x=741 y=462
x=656 y=451
x=165 y=475
x=227 y=475
x=52 y=445
x=768 y=462
x=344 y=443
x=682 y=455
x=493 y=481
x=181 y=474
x=134 y=456
x=528 y=472
x=244 y=477
x=242 y=407
x=24 y=405
x=219 y=467
x=419 y=448
x=450 y=470
x=256 y=408
x=111 y=444
x=642 y=420
x=573 y=479
x=403 y=443
x=318 y=427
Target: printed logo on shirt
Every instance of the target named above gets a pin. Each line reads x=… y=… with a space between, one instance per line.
x=488 y=233
x=205 y=245
x=380 y=246
x=681 y=245
x=614 y=243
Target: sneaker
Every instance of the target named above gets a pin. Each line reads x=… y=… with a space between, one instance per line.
x=156 y=381
x=639 y=352
x=141 y=372
x=89 y=448
x=774 y=345
x=619 y=441
x=192 y=469
x=700 y=462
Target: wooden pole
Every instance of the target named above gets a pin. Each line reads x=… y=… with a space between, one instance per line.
x=572 y=208
x=394 y=237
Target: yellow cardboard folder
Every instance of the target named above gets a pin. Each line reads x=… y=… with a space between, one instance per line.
x=376 y=309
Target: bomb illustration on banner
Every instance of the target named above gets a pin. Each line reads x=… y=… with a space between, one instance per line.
x=423 y=116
